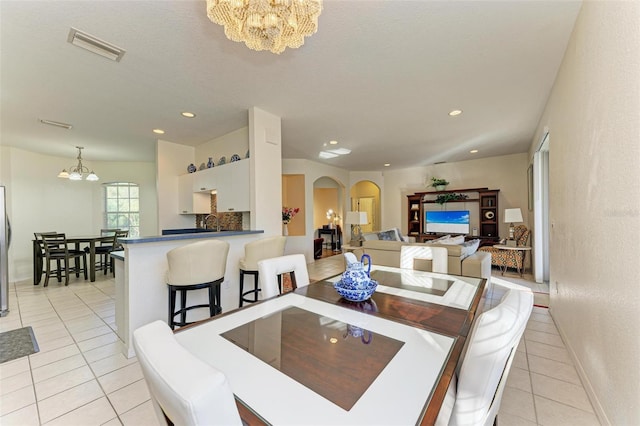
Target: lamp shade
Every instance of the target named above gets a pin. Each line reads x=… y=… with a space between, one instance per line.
x=357 y=218
x=512 y=215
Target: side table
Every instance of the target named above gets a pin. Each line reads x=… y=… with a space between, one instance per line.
x=523 y=249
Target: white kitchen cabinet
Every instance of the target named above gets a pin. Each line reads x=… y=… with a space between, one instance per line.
x=190 y=202
x=205 y=180
x=233 y=187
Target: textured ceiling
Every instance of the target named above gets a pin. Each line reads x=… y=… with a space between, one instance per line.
x=379 y=77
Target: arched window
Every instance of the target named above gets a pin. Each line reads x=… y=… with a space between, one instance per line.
x=122 y=207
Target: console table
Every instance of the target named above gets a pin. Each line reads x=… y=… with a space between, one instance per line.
x=336 y=237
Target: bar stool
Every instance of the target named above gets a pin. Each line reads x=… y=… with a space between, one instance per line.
x=192 y=267
x=255 y=251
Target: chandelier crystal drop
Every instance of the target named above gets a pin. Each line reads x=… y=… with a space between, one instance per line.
x=270 y=25
x=78 y=171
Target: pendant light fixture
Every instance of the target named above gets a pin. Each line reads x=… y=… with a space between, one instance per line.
x=77 y=172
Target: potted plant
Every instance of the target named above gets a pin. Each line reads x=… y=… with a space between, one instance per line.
x=443 y=198
x=439 y=184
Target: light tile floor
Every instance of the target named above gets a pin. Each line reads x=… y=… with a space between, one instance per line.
x=80 y=376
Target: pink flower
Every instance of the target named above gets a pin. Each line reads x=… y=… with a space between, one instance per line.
x=288 y=213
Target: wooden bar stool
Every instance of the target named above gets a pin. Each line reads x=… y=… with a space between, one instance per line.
x=255 y=251
x=193 y=267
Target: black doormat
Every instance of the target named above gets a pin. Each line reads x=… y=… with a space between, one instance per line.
x=17 y=343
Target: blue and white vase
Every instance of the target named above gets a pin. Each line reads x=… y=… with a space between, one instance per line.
x=210 y=163
x=191 y=168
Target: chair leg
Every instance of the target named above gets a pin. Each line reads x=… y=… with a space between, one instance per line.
x=212 y=300
x=59 y=270
x=84 y=264
x=183 y=305
x=172 y=308
x=47 y=273
x=256 y=287
x=76 y=266
x=241 y=287
x=66 y=271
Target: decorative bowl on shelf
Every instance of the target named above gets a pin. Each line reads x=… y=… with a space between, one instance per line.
x=360 y=294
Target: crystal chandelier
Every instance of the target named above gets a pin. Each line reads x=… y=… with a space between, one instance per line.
x=266 y=24
x=76 y=172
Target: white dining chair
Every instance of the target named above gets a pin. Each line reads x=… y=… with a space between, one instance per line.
x=437 y=255
x=269 y=269
x=473 y=397
x=183 y=389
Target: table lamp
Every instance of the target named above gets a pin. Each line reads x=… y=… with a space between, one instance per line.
x=510 y=216
x=356 y=219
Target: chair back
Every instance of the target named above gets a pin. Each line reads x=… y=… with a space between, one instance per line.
x=269 y=269
x=182 y=387
x=108 y=236
x=264 y=248
x=487 y=361
x=197 y=263
x=55 y=244
x=521 y=235
x=120 y=233
x=437 y=255
x=39 y=240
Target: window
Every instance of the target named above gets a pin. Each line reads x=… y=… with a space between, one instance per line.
x=122 y=204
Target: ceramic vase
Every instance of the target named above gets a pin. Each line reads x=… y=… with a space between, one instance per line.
x=210 y=163
x=285 y=229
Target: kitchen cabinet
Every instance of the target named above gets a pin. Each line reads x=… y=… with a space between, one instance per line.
x=190 y=202
x=205 y=180
x=233 y=187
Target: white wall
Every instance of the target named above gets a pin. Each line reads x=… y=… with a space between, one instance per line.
x=39 y=201
x=507 y=173
x=172 y=161
x=593 y=119
x=266 y=171
x=236 y=142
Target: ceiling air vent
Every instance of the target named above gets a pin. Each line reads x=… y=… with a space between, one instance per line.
x=56 y=123
x=95 y=45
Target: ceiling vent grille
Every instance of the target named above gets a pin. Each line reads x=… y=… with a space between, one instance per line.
x=56 y=123
x=95 y=45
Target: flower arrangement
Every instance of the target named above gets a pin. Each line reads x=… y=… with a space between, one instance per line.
x=288 y=213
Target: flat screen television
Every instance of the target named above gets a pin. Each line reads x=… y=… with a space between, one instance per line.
x=447 y=222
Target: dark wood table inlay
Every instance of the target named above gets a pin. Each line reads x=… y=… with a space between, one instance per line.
x=336 y=360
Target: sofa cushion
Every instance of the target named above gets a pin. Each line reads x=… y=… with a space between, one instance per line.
x=370 y=236
x=384 y=245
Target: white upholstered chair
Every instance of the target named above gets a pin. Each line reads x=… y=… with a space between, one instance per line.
x=184 y=389
x=193 y=267
x=473 y=397
x=270 y=269
x=255 y=251
x=437 y=255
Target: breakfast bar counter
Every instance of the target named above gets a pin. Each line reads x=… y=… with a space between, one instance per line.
x=141 y=289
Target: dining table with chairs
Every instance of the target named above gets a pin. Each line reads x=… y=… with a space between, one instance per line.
x=309 y=356
x=92 y=243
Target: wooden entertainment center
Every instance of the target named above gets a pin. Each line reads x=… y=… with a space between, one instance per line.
x=484 y=218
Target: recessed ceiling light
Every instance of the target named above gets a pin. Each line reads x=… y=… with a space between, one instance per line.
x=158 y=131
x=473 y=151
x=387 y=164
x=333 y=142
x=455 y=112
x=188 y=114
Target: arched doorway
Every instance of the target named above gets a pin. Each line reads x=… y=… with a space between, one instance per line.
x=365 y=197
x=329 y=196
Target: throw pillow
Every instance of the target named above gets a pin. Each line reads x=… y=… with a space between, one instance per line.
x=390 y=235
x=457 y=240
x=469 y=247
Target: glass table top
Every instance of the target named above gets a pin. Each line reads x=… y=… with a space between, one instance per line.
x=337 y=360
